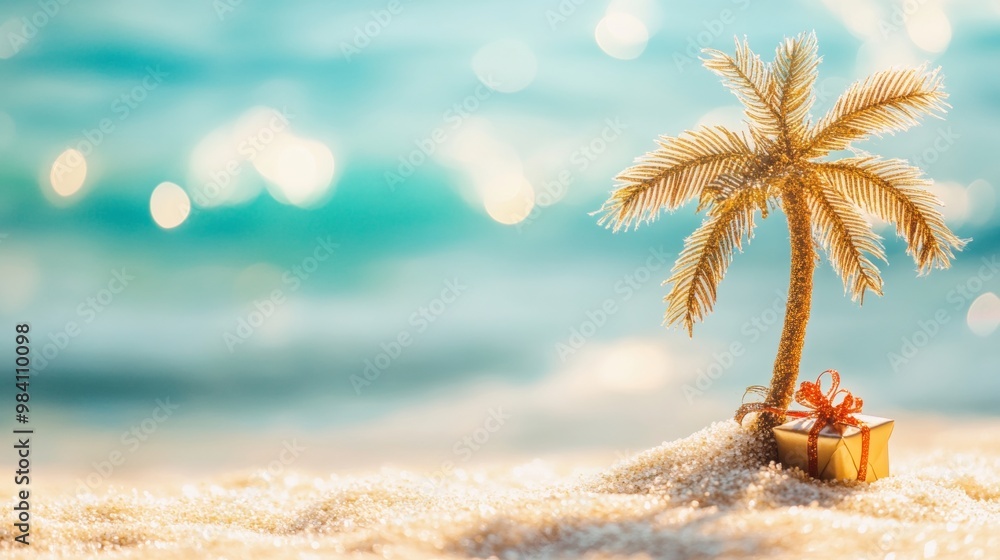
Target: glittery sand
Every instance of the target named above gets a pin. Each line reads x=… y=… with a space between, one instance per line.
x=705 y=496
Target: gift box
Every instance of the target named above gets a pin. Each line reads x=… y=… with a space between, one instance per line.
x=839 y=447
x=829 y=439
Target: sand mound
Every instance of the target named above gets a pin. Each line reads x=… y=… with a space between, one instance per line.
x=711 y=495
x=723 y=465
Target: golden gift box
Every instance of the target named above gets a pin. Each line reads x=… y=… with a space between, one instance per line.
x=830 y=439
x=839 y=447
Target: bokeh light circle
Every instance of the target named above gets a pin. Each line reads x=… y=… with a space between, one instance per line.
x=621 y=35
x=299 y=171
x=983 y=317
x=509 y=203
x=954 y=201
x=169 y=205
x=982 y=201
x=929 y=29
x=68 y=173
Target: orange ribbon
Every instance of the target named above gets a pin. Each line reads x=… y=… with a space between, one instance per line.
x=820 y=406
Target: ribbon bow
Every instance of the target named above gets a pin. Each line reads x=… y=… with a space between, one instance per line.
x=820 y=406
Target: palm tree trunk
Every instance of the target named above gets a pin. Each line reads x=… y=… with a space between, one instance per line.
x=793 y=333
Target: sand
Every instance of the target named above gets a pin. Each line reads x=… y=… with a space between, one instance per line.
x=710 y=495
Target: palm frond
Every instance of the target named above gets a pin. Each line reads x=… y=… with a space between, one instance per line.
x=896 y=192
x=887 y=101
x=729 y=185
x=795 y=68
x=774 y=166
x=706 y=256
x=722 y=188
x=747 y=76
x=673 y=174
x=847 y=238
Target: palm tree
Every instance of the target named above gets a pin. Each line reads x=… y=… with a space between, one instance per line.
x=781 y=164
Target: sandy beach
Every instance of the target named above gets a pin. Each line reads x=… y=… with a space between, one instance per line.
x=451 y=280
x=709 y=495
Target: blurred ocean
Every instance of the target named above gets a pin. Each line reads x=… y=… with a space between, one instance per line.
x=359 y=267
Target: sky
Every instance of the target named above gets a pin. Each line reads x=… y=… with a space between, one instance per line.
x=369 y=223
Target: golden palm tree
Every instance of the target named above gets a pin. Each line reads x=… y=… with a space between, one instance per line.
x=780 y=164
